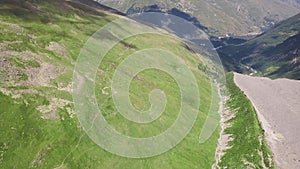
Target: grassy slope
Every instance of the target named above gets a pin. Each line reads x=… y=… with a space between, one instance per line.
x=29 y=141
x=274 y=53
x=246 y=131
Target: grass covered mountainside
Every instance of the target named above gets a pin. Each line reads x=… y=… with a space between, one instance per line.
x=223 y=17
x=276 y=53
x=39 y=45
x=246 y=146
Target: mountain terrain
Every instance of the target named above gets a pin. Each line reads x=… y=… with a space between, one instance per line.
x=40 y=41
x=236 y=18
x=274 y=53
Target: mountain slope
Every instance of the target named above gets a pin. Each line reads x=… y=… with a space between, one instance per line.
x=223 y=17
x=39 y=45
x=276 y=53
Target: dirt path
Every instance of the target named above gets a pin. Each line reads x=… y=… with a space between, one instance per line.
x=223 y=140
x=278 y=108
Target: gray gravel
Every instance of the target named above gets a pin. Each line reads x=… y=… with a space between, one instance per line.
x=278 y=107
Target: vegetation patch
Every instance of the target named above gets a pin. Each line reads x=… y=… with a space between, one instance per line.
x=248 y=147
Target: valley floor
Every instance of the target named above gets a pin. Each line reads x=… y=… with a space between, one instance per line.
x=278 y=109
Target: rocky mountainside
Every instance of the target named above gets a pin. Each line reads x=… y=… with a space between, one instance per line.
x=235 y=17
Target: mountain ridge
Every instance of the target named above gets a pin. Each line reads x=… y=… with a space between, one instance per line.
x=238 y=18
x=274 y=53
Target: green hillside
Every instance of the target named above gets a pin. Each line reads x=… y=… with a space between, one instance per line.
x=247 y=148
x=275 y=53
x=39 y=45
